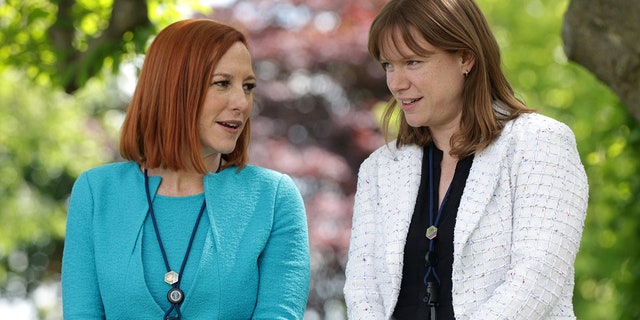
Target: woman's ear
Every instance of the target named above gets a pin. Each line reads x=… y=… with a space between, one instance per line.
x=468 y=60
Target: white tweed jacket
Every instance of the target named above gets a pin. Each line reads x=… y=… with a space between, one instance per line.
x=516 y=236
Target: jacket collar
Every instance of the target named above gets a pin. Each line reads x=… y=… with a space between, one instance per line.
x=478 y=193
x=479 y=189
x=405 y=165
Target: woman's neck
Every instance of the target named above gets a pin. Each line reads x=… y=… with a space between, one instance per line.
x=442 y=140
x=184 y=182
x=178 y=183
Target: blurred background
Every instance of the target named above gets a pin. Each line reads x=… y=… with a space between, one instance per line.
x=68 y=69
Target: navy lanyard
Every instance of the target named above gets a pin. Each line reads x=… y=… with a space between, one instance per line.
x=175 y=295
x=431 y=258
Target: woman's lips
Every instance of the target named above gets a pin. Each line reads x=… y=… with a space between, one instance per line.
x=230 y=125
x=408 y=103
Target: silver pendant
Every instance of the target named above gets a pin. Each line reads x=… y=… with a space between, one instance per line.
x=432 y=232
x=175 y=296
x=171 y=277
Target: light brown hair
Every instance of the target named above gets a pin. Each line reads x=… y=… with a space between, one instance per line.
x=160 y=128
x=454 y=26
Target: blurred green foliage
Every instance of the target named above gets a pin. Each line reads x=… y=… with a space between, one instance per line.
x=28 y=44
x=47 y=138
x=608 y=264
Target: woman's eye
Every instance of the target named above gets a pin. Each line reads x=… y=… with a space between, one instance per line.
x=385 y=65
x=412 y=62
x=221 y=83
x=249 y=86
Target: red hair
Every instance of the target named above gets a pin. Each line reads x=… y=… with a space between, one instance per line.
x=160 y=128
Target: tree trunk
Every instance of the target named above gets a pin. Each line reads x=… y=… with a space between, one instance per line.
x=75 y=66
x=604 y=37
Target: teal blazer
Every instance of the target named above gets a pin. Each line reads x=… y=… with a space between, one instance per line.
x=254 y=265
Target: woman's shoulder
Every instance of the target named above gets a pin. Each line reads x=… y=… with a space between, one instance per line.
x=391 y=153
x=251 y=177
x=253 y=183
x=534 y=132
x=528 y=133
x=536 y=123
x=110 y=171
x=117 y=177
x=252 y=172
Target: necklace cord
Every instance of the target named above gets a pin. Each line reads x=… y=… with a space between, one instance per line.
x=176 y=285
x=433 y=289
x=153 y=219
x=431 y=270
x=193 y=235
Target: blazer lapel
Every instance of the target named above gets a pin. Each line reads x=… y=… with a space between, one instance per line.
x=131 y=224
x=478 y=193
x=398 y=199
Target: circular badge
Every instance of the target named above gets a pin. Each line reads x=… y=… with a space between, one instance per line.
x=175 y=296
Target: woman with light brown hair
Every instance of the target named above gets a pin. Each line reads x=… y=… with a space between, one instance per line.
x=476 y=209
x=185 y=227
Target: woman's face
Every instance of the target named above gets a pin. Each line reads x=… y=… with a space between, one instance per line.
x=428 y=87
x=228 y=103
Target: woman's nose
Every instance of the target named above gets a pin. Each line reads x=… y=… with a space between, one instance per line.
x=241 y=100
x=397 y=81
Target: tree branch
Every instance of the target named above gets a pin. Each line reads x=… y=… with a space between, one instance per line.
x=76 y=67
x=602 y=36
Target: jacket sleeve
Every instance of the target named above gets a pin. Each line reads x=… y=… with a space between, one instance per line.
x=284 y=263
x=549 y=202
x=361 y=295
x=80 y=293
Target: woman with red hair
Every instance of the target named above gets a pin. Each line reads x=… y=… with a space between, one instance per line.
x=186 y=227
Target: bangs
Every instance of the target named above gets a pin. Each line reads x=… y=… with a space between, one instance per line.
x=392 y=33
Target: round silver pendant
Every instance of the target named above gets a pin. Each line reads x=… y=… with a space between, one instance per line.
x=175 y=296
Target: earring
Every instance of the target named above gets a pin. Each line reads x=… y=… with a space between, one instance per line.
x=466 y=73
